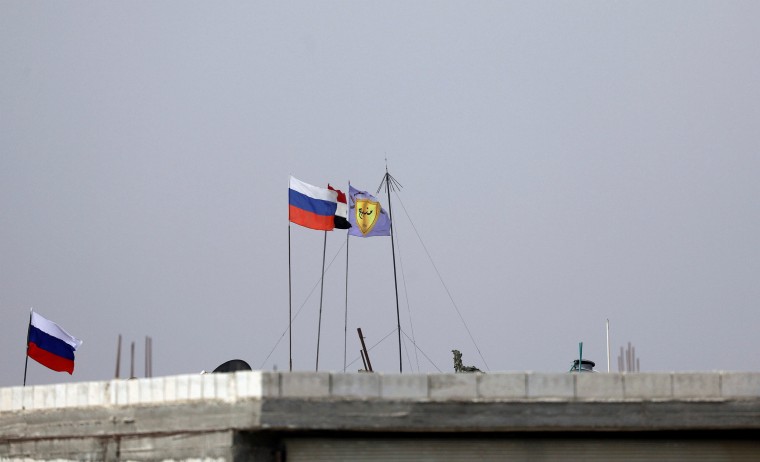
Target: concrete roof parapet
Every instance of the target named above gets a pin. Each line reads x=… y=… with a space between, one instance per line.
x=740 y=384
x=39 y=396
x=170 y=388
x=271 y=384
x=354 y=385
x=499 y=386
x=696 y=385
x=453 y=386
x=647 y=385
x=305 y=384
x=27 y=398
x=97 y=393
x=11 y=399
x=404 y=386
x=544 y=385
x=504 y=385
x=247 y=384
x=60 y=395
x=208 y=386
x=599 y=386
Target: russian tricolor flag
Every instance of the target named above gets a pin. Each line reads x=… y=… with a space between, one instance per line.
x=50 y=345
x=312 y=206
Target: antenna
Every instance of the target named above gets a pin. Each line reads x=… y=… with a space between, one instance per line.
x=148 y=356
x=391 y=183
x=132 y=362
x=118 y=357
x=608 y=346
x=627 y=360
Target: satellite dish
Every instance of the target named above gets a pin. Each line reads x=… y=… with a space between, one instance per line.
x=232 y=366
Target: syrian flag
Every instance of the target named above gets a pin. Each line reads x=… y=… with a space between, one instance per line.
x=341 y=213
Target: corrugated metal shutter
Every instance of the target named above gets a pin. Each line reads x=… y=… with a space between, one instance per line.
x=533 y=449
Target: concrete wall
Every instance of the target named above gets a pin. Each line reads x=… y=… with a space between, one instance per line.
x=436 y=387
x=251 y=415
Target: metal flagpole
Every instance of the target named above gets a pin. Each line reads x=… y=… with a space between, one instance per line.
x=29 y=328
x=387 y=179
x=345 y=321
x=608 y=346
x=321 y=294
x=290 y=308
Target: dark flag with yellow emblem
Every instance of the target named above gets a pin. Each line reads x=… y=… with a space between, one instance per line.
x=366 y=216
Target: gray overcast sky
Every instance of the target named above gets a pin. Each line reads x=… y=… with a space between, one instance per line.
x=563 y=162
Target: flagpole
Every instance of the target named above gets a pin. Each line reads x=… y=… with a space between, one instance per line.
x=29 y=328
x=387 y=178
x=608 y=346
x=321 y=294
x=345 y=321
x=290 y=308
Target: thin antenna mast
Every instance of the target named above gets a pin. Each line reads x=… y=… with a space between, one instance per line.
x=118 y=358
x=150 y=357
x=608 y=346
x=391 y=183
x=132 y=362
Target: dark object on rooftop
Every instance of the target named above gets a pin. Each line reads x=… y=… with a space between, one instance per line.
x=586 y=366
x=458 y=367
x=233 y=365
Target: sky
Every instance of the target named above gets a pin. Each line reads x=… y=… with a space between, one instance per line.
x=562 y=164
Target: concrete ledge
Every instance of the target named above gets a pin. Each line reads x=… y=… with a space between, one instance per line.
x=503 y=386
x=691 y=385
x=314 y=402
x=740 y=384
x=648 y=385
x=305 y=385
x=416 y=387
x=356 y=386
x=453 y=386
x=406 y=386
x=542 y=385
x=599 y=386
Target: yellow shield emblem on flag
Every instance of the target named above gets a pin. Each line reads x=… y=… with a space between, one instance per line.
x=367 y=212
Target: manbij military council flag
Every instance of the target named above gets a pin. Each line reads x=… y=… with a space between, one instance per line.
x=367 y=217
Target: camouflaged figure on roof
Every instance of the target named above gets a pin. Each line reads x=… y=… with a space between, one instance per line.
x=458 y=367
